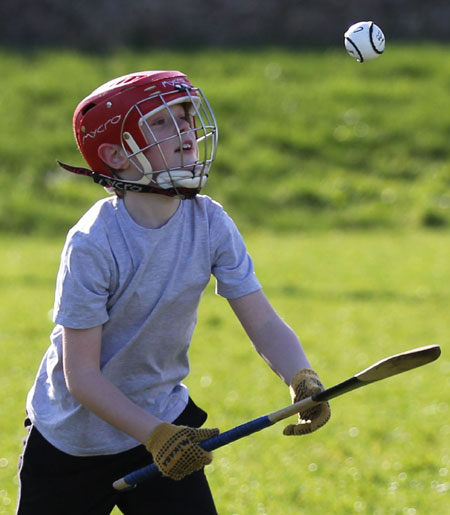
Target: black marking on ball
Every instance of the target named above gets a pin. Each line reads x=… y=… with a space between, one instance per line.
x=375 y=49
x=361 y=58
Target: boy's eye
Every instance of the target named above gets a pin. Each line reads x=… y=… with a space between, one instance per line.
x=159 y=121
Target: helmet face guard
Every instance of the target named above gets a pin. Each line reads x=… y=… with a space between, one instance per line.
x=123 y=111
x=202 y=131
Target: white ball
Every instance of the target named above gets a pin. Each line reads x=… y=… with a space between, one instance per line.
x=364 y=41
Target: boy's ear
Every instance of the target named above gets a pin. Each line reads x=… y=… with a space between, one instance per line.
x=113 y=155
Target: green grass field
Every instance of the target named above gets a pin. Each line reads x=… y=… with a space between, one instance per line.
x=311 y=137
x=338 y=174
x=353 y=298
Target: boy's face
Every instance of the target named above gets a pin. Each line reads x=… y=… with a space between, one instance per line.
x=173 y=150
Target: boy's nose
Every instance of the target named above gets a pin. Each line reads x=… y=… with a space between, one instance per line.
x=183 y=125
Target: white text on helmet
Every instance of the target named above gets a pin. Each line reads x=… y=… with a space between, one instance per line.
x=103 y=127
x=174 y=82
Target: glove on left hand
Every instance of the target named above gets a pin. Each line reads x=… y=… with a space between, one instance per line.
x=304 y=384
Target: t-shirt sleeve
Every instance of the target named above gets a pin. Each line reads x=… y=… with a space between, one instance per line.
x=83 y=284
x=232 y=265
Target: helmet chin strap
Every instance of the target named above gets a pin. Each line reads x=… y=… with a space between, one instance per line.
x=135 y=186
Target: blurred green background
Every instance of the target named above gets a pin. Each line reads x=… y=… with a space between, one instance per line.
x=308 y=139
x=338 y=175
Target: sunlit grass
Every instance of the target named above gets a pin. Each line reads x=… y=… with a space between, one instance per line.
x=353 y=298
x=311 y=137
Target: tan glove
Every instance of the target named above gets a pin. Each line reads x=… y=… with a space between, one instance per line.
x=175 y=449
x=305 y=383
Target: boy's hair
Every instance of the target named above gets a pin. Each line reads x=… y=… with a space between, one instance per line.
x=117 y=113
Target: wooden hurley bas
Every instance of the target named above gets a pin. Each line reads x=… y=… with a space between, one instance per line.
x=383 y=369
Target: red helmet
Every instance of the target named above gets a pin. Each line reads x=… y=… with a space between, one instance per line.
x=117 y=113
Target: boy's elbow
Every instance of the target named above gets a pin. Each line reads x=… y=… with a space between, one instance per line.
x=79 y=384
x=72 y=384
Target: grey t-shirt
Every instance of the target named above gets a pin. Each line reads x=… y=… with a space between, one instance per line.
x=144 y=286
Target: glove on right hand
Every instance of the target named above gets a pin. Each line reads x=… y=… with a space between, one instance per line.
x=175 y=449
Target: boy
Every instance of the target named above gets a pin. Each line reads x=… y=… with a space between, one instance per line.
x=108 y=397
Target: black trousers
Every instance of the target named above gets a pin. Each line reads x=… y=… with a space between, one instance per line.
x=52 y=482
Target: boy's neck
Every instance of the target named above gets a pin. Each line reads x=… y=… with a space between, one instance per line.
x=150 y=210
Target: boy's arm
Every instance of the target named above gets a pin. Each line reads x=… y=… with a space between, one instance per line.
x=277 y=343
x=175 y=449
x=81 y=355
x=274 y=340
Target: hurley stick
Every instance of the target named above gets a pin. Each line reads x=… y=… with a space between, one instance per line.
x=381 y=370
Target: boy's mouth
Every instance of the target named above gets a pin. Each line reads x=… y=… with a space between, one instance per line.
x=187 y=146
